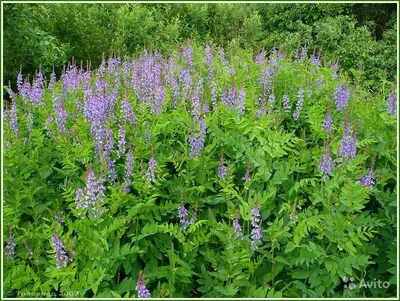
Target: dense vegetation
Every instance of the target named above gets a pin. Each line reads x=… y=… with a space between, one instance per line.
x=200 y=174
x=49 y=35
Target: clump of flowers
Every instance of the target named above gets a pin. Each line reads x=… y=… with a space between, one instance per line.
x=256 y=234
x=10 y=247
x=368 y=180
x=392 y=103
x=286 y=104
x=328 y=121
x=348 y=145
x=59 y=251
x=342 y=96
x=143 y=292
x=326 y=164
x=222 y=168
x=90 y=200
x=237 y=227
x=246 y=178
x=299 y=104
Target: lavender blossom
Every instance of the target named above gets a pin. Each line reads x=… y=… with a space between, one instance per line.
x=299 y=104
x=151 y=170
x=392 y=103
x=52 y=81
x=14 y=117
x=328 y=121
x=240 y=101
x=90 y=199
x=183 y=214
x=36 y=93
x=256 y=235
x=348 y=145
x=286 y=104
x=61 y=116
x=342 y=96
x=326 y=164
x=196 y=141
x=143 y=292
x=315 y=60
x=59 y=250
x=260 y=58
x=10 y=247
x=49 y=120
x=246 y=178
x=237 y=227
x=222 y=168
x=20 y=81
x=187 y=53
x=369 y=179
x=127 y=112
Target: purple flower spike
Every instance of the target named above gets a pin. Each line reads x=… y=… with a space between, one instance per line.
x=246 y=178
x=256 y=235
x=369 y=179
x=143 y=292
x=222 y=168
x=89 y=201
x=10 y=247
x=348 y=146
x=299 y=104
x=328 y=122
x=151 y=170
x=392 y=103
x=61 y=257
x=286 y=104
x=237 y=227
x=342 y=96
x=326 y=164
x=183 y=214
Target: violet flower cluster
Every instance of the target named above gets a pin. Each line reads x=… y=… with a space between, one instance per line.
x=197 y=140
x=286 y=103
x=328 y=121
x=9 y=250
x=89 y=201
x=369 y=179
x=326 y=163
x=342 y=96
x=237 y=227
x=150 y=175
x=246 y=178
x=143 y=292
x=392 y=102
x=299 y=104
x=62 y=258
x=222 y=173
x=183 y=216
x=348 y=145
x=256 y=234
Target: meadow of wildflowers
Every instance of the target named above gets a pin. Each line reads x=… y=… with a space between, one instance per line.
x=200 y=174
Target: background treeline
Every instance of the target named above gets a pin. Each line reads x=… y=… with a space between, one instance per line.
x=50 y=34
